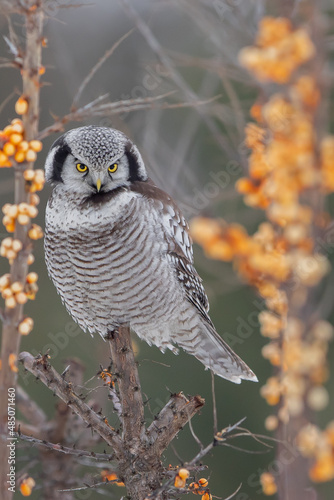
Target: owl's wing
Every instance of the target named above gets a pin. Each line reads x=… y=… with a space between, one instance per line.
x=181 y=255
x=179 y=243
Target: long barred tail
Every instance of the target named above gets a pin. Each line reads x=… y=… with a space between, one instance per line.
x=211 y=350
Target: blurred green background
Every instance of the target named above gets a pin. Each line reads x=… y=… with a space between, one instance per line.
x=196 y=154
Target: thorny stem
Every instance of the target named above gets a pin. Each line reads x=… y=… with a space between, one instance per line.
x=41 y=367
x=126 y=372
x=99 y=457
x=10 y=336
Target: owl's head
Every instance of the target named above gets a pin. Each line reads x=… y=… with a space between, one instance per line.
x=89 y=160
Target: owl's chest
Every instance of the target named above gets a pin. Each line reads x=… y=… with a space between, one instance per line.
x=103 y=241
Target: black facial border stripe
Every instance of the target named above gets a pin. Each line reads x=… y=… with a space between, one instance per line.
x=59 y=158
x=133 y=164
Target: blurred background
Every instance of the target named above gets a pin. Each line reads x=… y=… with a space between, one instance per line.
x=194 y=152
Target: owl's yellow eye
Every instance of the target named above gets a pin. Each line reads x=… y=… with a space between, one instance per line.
x=81 y=168
x=113 y=168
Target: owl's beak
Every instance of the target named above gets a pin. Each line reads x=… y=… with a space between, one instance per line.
x=98 y=185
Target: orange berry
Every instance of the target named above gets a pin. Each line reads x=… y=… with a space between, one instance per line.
x=10 y=227
x=34 y=199
x=268 y=483
x=32 y=277
x=11 y=255
x=29 y=174
x=17 y=245
x=7 y=242
x=31 y=155
x=12 y=211
x=271 y=423
x=27 y=486
x=203 y=482
x=17 y=127
x=8 y=130
x=21 y=298
x=4 y=281
x=25 y=490
x=23 y=219
x=9 y=149
x=323 y=469
x=23 y=208
x=179 y=482
x=6 y=220
x=16 y=287
x=32 y=211
x=7 y=292
x=19 y=157
x=35 y=233
x=26 y=326
x=4 y=161
x=10 y=302
x=39 y=175
x=36 y=145
x=37 y=186
x=31 y=259
x=183 y=473
x=24 y=146
x=16 y=138
x=21 y=106
x=12 y=362
x=207 y=496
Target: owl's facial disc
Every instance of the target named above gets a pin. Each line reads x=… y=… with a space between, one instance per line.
x=85 y=178
x=91 y=160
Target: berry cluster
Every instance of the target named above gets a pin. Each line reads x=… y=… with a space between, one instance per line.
x=288 y=166
x=13 y=146
x=199 y=487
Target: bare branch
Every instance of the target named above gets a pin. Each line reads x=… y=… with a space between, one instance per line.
x=172 y=418
x=11 y=337
x=126 y=373
x=114 y=108
x=42 y=369
x=103 y=457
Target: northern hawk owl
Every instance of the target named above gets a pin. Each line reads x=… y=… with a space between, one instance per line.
x=119 y=252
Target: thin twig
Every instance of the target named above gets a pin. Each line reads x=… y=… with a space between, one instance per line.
x=194 y=435
x=214 y=405
x=97 y=66
x=114 y=108
x=103 y=457
x=234 y=493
